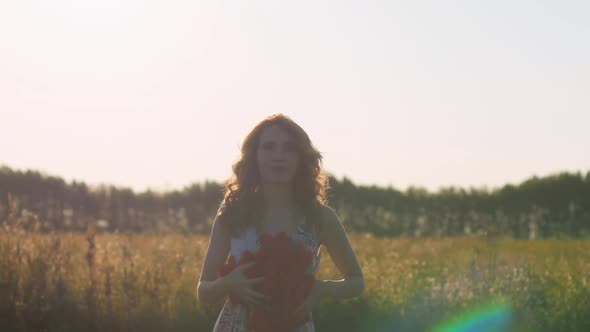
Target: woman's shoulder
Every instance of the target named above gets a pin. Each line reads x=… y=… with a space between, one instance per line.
x=327 y=219
x=327 y=214
x=326 y=210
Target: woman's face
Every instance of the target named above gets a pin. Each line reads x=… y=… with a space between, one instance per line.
x=277 y=155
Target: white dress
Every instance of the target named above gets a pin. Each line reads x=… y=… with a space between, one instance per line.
x=234 y=317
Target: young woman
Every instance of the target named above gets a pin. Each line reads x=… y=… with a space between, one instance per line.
x=277 y=186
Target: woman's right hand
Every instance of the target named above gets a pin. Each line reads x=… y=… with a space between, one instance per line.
x=241 y=287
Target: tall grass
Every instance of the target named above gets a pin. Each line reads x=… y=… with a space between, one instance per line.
x=121 y=282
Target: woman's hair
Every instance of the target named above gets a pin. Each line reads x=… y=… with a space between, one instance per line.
x=243 y=203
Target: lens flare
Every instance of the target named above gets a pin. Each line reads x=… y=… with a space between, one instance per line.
x=484 y=318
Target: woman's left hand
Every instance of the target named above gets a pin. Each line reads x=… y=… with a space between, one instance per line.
x=311 y=301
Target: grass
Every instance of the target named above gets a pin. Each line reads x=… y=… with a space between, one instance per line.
x=114 y=282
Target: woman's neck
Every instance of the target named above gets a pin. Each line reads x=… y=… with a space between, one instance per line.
x=278 y=198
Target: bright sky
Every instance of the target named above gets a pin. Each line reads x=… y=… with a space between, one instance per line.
x=161 y=94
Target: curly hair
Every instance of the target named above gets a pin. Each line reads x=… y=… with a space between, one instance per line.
x=242 y=203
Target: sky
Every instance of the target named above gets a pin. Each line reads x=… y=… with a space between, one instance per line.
x=160 y=94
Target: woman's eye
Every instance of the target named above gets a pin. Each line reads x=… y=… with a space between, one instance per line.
x=286 y=147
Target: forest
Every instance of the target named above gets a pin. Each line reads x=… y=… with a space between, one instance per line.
x=552 y=206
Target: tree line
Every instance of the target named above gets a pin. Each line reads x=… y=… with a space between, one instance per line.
x=556 y=205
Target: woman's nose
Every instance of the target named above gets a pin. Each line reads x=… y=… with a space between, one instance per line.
x=279 y=153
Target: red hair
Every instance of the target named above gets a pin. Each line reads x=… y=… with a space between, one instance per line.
x=243 y=201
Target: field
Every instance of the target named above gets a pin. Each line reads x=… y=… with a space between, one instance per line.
x=115 y=282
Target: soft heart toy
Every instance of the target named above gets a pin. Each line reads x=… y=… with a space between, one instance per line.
x=285 y=283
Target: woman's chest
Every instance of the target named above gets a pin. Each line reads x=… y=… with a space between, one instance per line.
x=273 y=227
x=250 y=239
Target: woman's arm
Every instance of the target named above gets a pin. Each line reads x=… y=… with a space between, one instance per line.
x=335 y=239
x=210 y=288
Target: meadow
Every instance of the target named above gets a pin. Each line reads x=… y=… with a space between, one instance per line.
x=124 y=282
